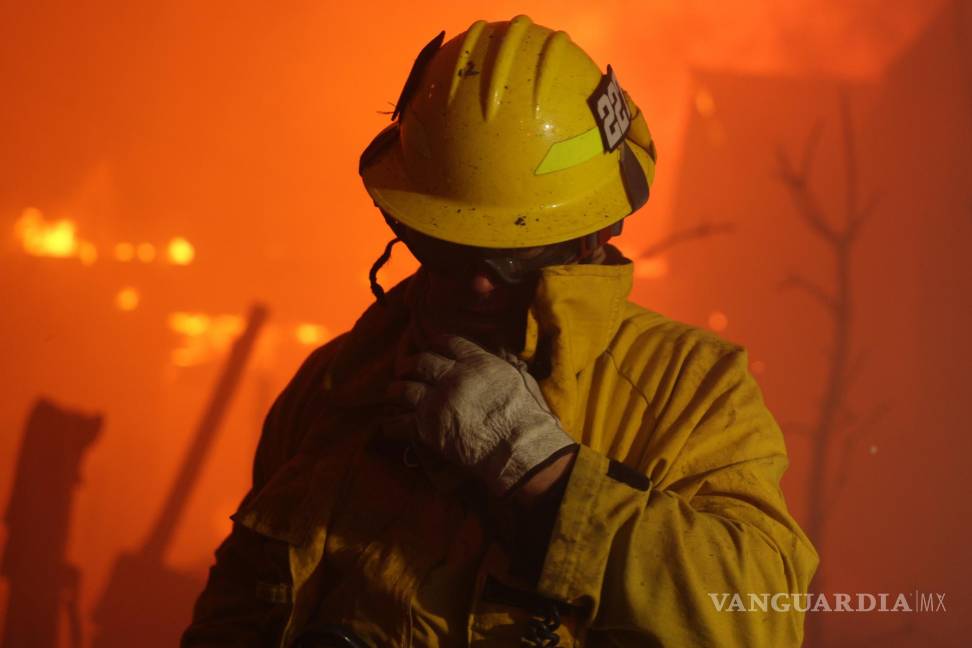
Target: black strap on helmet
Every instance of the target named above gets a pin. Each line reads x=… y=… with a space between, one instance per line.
x=421 y=61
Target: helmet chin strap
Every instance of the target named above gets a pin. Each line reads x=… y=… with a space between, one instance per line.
x=376 y=288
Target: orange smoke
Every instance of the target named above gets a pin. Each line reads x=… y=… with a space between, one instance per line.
x=209 y=153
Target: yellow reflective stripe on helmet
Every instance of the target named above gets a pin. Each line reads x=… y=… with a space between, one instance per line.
x=571 y=152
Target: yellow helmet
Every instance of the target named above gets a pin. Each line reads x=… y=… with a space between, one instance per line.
x=510 y=136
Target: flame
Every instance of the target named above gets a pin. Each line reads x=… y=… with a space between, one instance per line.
x=311 y=334
x=127 y=299
x=189 y=324
x=51 y=239
x=181 y=251
x=204 y=336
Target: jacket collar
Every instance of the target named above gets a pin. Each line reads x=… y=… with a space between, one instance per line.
x=575 y=314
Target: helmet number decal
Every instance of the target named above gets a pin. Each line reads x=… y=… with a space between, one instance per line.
x=610 y=111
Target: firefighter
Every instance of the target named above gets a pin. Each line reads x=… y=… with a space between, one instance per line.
x=504 y=451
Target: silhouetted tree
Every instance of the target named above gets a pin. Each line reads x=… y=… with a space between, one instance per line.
x=836 y=423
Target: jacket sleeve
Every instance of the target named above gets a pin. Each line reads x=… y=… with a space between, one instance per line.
x=652 y=561
x=247 y=598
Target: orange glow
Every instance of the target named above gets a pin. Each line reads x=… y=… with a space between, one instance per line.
x=124 y=252
x=311 y=334
x=181 y=251
x=221 y=522
x=704 y=103
x=87 y=253
x=46 y=239
x=651 y=267
x=224 y=329
x=127 y=299
x=177 y=135
x=184 y=357
x=189 y=324
x=204 y=336
x=145 y=252
x=718 y=321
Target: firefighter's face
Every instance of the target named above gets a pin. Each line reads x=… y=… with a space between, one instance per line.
x=478 y=305
x=482 y=293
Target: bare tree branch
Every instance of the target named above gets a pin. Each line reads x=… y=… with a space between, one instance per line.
x=800 y=282
x=703 y=230
x=827 y=481
x=797 y=184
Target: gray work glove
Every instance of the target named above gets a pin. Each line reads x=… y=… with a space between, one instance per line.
x=479 y=411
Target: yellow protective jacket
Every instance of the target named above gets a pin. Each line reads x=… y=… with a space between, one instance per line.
x=673 y=499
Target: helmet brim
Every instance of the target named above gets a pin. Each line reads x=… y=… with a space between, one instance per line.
x=495 y=226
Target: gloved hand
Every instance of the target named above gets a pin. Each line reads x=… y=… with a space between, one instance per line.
x=479 y=411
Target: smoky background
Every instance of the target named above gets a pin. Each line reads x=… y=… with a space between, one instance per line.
x=165 y=166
